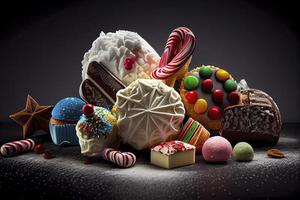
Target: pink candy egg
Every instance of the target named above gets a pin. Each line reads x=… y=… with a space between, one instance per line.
x=216 y=149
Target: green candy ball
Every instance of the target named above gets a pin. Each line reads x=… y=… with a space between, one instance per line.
x=191 y=82
x=243 y=151
x=230 y=85
x=205 y=72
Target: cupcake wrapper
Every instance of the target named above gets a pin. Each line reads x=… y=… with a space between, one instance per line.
x=64 y=134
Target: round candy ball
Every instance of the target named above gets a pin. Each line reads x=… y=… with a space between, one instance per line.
x=205 y=72
x=200 y=106
x=191 y=96
x=191 y=82
x=216 y=149
x=230 y=85
x=243 y=151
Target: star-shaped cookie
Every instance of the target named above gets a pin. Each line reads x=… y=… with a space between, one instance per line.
x=34 y=117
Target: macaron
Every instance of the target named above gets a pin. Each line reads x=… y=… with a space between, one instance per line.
x=216 y=149
x=243 y=151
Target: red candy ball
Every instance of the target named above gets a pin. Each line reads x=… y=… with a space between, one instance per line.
x=191 y=96
x=234 y=98
x=207 y=85
x=88 y=109
x=214 y=113
x=128 y=63
x=39 y=149
x=218 y=96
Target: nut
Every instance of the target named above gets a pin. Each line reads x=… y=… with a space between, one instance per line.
x=275 y=153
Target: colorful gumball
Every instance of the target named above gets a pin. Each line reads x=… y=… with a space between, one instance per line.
x=214 y=113
x=218 y=96
x=233 y=98
x=191 y=96
x=191 y=82
x=207 y=85
x=230 y=85
x=222 y=75
x=200 y=106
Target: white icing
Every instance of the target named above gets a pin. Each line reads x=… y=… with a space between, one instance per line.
x=242 y=85
x=150 y=112
x=168 y=147
x=112 y=48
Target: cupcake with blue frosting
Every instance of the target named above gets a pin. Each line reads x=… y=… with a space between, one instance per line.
x=65 y=116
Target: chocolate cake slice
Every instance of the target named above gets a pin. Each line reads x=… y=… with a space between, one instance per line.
x=256 y=119
x=100 y=86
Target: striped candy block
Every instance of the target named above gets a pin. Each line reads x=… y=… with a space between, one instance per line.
x=122 y=159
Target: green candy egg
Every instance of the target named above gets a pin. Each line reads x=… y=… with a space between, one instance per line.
x=205 y=72
x=243 y=151
x=230 y=85
x=191 y=82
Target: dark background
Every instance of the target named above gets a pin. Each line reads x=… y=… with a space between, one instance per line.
x=43 y=43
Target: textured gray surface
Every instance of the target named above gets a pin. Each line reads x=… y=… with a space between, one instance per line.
x=66 y=176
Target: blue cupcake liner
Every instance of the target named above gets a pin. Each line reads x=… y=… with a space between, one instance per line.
x=64 y=134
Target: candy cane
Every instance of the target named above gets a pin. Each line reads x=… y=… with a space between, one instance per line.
x=16 y=147
x=122 y=159
x=179 y=48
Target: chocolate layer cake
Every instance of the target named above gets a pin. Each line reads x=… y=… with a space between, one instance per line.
x=257 y=119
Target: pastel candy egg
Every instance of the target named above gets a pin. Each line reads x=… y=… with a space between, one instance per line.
x=230 y=85
x=243 y=151
x=190 y=82
x=205 y=72
x=207 y=85
x=216 y=149
x=222 y=75
x=200 y=106
x=214 y=113
x=191 y=96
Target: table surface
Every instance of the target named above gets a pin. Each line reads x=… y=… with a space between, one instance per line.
x=66 y=176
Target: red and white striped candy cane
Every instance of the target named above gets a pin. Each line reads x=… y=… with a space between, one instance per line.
x=179 y=48
x=16 y=147
x=122 y=159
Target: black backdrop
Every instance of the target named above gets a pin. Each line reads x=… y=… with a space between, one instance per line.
x=43 y=42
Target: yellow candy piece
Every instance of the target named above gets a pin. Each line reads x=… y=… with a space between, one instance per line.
x=222 y=75
x=200 y=106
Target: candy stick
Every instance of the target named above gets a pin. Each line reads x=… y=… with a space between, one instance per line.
x=122 y=159
x=21 y=146
x=16 y=147
x=176 y=56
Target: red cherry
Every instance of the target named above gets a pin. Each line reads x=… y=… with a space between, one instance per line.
x=39 y=149
x=48 y=155
x=207 y=85
x=233 y=98
x=128 y=63
x=214 y=113
x=88 y=109
x=218 y=96
x=191 y=96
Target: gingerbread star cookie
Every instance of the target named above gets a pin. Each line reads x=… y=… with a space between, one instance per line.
x=34 y=117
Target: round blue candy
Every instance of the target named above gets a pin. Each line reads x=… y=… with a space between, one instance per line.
x=68 y=109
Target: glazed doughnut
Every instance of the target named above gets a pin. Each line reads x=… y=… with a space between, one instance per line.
x=176 y=56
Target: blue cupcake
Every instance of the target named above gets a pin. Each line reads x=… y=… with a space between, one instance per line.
x=65 y=115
